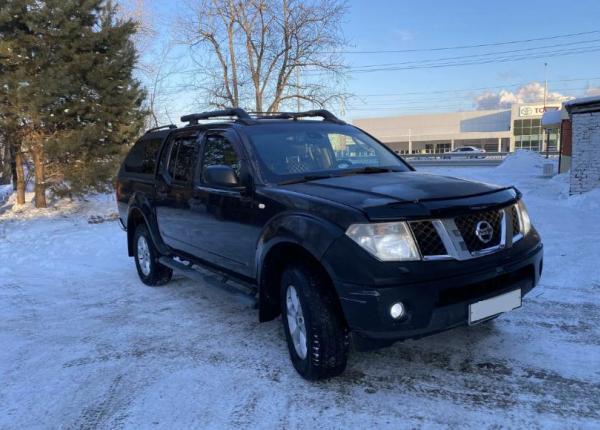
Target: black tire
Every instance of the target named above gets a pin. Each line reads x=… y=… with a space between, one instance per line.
x=327 y=336
x=157 y=274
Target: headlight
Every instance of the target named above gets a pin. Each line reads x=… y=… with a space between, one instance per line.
x=389 y=241
x=524 y=216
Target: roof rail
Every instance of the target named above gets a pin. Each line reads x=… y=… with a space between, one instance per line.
x=323 y=113
x=169 y=126
x=240 y=113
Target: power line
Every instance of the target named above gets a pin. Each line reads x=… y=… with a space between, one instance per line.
x=550 y=54
x=435 y=98
x=486 y=54
x=480 y=45
x=426 y=64
x=473 y=89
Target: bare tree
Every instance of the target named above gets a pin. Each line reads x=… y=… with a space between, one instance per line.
x=159 y=77
x=158 y=64
x=266 y=54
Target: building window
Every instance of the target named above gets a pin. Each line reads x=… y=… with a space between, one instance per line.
x=437 y=148
x=528 y=134
x=531 y=143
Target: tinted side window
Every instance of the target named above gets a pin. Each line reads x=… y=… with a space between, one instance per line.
x=142 y=157
x=174 y=147
x=181 y=163
x=164 y=157
x=218 y=150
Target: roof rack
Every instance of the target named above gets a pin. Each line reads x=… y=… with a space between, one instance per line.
x=246 y=118
x=241 y=115
x=323 y=113
x=169 y=126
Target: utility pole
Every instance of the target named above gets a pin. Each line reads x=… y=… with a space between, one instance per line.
x=547 y=136
x=545 y=84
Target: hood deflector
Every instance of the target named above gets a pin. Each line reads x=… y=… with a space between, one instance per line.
x=444 y=207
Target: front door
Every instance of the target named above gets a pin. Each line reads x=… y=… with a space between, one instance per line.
x=226 y=221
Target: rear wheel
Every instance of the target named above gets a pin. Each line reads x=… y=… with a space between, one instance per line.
x=316 y=333
x=150 y=271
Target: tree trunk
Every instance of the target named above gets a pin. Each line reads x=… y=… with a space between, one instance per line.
x=40 y=177
x=20 y=182
x=13 y=169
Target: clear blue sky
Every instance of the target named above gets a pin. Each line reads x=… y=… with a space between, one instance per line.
x=416 y=25
x=410 y=24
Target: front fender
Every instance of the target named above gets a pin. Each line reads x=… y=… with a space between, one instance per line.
x=313 y=234
x=306 y=234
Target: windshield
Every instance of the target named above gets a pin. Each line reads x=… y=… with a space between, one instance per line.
x=288 y=151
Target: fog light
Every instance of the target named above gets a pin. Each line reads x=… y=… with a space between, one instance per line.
x=397 y=310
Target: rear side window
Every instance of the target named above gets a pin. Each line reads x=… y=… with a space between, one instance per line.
x=142 y=157
x=181 y=162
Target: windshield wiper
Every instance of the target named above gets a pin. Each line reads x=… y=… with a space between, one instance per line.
x=369 y=169
x=306 y=178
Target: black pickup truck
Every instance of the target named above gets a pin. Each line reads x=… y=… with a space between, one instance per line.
x=316 y=220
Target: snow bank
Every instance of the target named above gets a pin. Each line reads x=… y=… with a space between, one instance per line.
x=95 y=207
x=5 y=192
x=589 y=201
x=525 y=162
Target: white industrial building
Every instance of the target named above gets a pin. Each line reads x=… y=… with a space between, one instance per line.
x=493 y=130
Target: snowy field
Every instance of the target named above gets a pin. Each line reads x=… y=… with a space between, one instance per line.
x=84 y=344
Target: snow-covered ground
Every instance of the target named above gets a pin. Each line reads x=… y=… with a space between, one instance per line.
x=5 y=191
x=84 y=344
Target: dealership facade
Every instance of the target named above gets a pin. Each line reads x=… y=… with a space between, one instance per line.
x=503 y=130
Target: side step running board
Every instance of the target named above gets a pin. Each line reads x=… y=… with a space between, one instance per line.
x=246 y=294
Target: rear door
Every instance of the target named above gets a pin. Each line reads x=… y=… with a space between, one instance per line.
x=174 y=191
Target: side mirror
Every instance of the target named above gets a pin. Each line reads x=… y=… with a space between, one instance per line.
x=221 y=176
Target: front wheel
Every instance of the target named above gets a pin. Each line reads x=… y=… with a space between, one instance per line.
x=316 y=333
x=150 y=271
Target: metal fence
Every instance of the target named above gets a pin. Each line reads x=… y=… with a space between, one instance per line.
x=440 y=159
x=457 y=159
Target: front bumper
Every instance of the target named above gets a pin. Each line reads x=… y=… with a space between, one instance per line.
x=434 y=303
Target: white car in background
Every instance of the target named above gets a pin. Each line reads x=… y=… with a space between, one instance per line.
x=465 y=152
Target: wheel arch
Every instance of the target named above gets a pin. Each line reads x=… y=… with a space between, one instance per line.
x=140 y=214
x=291 y=238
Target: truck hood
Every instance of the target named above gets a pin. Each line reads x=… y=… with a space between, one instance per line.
x=399 y=194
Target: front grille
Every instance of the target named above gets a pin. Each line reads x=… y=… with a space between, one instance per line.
x=467 y=225
x=427 y=238
x=515 y=220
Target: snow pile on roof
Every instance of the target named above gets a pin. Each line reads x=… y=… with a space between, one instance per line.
x=551 y=118
x=582 y=100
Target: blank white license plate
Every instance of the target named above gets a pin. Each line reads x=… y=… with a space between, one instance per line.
x=490 y=307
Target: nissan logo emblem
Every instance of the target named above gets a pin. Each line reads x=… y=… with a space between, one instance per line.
x=484 y=231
